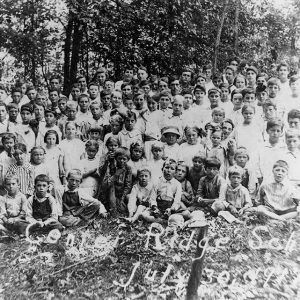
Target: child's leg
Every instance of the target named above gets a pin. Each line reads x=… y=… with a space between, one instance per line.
x=54 y=225
x=68 y=220
x=218 y=206
x=290 y=215
x=265 y=211
x=89 y=211
x=147 y=216
x=20 y=226
x=3 y=229
x=138 y=213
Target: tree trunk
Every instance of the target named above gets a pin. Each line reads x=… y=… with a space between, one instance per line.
x=67 y=51
x=236 y=27
x=217 y=44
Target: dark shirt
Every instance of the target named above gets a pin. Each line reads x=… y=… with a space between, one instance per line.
x=41 y=210
x=210 y=188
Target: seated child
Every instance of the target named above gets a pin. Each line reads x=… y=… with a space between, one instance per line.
x=233 y=196
x=197 y=171
x=13 y=207
x=210 y=185
x=142 y=196
x=42 y=208
x=77 y=206
x=277 y=199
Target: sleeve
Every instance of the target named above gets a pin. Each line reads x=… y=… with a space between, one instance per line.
x=127 y=182
x=252 y=183
x=177 y=196
x=54 y=211
x=23 y=206
x=29 y=216
x=132 y=199
x=261 y=196
x=3 y=212
x=152 y=197
x=248 y=202
x=199 y=192
x=87 y=199
x=222 y=195
x=188 y=194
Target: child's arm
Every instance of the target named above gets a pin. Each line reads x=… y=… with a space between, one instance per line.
x=29 y=212
x=3 y=212
x=132 y=199
x=62 y=170
x=127 y=183
x=23 y=206
x=54 y=211
x=188 y=194
x=177 y=197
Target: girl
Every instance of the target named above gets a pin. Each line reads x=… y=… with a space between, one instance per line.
x=37 y=157
x=236 y=114
x=192 y=145
x=156 y=163
x=54 y=158
x=22 y=169
x=137 y=158
x=116 y=125
x=89 y=167
x=187 y=195
x=248 y=134
x=240 y=82
x=72 y=147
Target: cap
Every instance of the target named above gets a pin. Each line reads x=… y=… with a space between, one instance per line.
x=252 y=68
x=170 y=129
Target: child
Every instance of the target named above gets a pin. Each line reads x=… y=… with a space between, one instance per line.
x=171 y=148
x=62 y=106
x=156 y=163
x=277 y=199
x=137 y=158
x=89 y=167
x=169 y=193
x=192 y=145
x=72 y=147
x=226 y=104
x=292 y=155
x=42 y=208
x=24 y=129
x=54 y=97
x=37 y=158
x=197 y=171
x=165 y=103
x=6 y=156
x=294 y=118
x=233 y=196
x=116 y=124
x=271 y=151
x=116 y=179
x=236 y=114
x=13 y=117
x=239 y=81
x=54 y=158
x=139 y=102
x=248 y=134
x=97 y=113
x=269 y=112
x=77 y=206
x=75 y=92
x=13 y=207
x=129 y=133
x=217 y=150
x=93 y=90
x=218 y=115
x=22 y=169
x=181 y=175
x=142 y=196
x=106 y=100
x=3 y=118
x=83 y=114
x=249 y=179
x=210 y=185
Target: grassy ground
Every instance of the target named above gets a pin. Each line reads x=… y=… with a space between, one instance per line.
x=57 y=271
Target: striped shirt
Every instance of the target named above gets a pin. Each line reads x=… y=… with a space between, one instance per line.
x=25 y=174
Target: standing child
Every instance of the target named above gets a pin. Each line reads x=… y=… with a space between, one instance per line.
x=233 y=196
x=89 y=166
x=54 y=158
x=13 y=207
x=142 y=196
x=22 y=169
x=42 y=208
x=156 y=163
x=72 y=147
x=181 y=175
x=137 y=158
x=115 y=124
x=197 y=171
x=37 y=160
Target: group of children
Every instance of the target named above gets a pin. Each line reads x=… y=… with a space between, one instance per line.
x=157 y=149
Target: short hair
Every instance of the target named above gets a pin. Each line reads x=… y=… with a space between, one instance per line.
x=21 y=147
x=214 y=91
x=237 y=77
x=212 y=162
x=247 y=107
x=12 y=105
x=293 y=79
x=281 y=163
x=235 y=170
x=26 y=107
x=39 y=103
x=49 y=132
x=92 y=144
x=283 y=64
x=63 y=98
x=55 y=76
x=157 y=145
x=71 y=105
x=43 y=178
x=218 y=110
x=224 y=85
x=140 y=92
x=81 y=96
x=186 y=92
x=116 y=118
x=228 y=121
x=112 y=139
x=94 y=83
x=241 y=150
x=232 y=68
x=3 y=104
x=236 y=91
x=199 y=88
x=143 y=169
x=144 y=82
x=74 y=172
x=165 y=93
x=273 y=81
x=11 y=176
x=105 y=93
x=260 y=89
x=292 y=132
x=199 y=155
x=51 y=90
x=170 y=161
x=8 y=136
x=49 y=111
x=248 y=91
x=269 y=103
x=122 y=151
x=274 y=122
x=129 y=115
x=96 y=129
x=294 y=114
x=143 y=68
x=16 y=90
x=30 y=88
x=3 y=87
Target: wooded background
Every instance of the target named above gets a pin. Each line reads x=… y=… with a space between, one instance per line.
x=72 y=36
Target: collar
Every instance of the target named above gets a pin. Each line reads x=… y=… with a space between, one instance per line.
x=41 y=199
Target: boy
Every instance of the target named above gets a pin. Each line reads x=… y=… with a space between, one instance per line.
x=165 y=103
x=78 y=207
x=294 y=118
x=277 y=199
x=233 y=196
x=272 y=150
x=75 y=92
x=3 y=118
x=209 y=186
x=142 y=196
x=197 y=171
x=13 y=207
x=106 y=100
x=225 y=98
x=62 y=105
x=83 y=114
x=170 y=135
x=93 y=90
x=97 y=113
x=54 y=97
x=13 y=117
x=42 y=208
